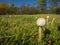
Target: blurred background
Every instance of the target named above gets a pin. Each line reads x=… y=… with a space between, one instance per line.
x=29 y=7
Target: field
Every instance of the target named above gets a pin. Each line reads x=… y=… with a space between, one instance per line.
x=22 y=30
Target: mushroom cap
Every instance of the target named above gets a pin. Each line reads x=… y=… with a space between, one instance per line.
x=40 y=22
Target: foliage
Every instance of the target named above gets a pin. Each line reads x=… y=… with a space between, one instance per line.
x=57 y=10
x=3 y=8
x=41 y=7
x=25 y=9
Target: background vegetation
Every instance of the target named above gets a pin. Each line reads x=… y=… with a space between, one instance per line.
x=42 y=6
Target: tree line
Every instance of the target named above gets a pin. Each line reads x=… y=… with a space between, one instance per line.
x=42 y=7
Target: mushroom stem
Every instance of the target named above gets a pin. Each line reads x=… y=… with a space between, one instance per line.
x=40 y=33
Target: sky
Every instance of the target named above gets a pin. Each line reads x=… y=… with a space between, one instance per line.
x=20 y=2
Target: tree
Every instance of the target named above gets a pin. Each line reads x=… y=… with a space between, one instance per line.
x=26 y=9
x=42 y=5
x=12 y=9
x=53 y=5
x=3 y=8
x=57 y=10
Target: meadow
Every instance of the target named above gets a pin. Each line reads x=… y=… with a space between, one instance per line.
x=22 y=30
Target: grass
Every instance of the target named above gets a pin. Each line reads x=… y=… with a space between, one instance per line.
x=22 y=30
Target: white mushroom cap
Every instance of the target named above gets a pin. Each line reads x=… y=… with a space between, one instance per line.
x=40 y=22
